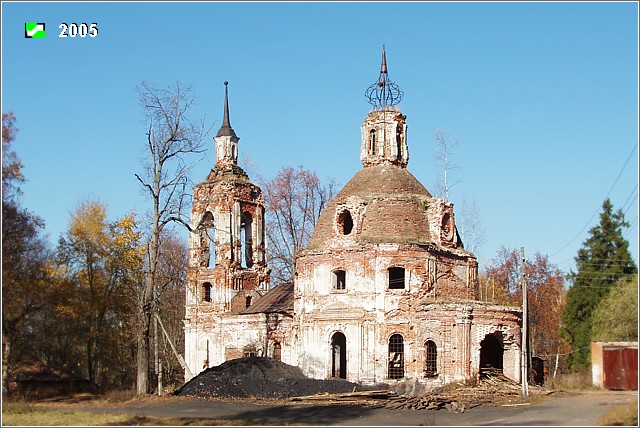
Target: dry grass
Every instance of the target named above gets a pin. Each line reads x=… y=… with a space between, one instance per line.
x=579 y=381
x=626 y=415
x=25 y=414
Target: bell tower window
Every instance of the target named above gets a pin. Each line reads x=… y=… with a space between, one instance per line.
x=206 y=232
x=246 y=232
x=206 y=292
x=399 y=142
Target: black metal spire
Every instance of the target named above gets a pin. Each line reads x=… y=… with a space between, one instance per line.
x=226 y=129
x=384 y=92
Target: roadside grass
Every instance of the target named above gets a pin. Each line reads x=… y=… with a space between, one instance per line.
x=625 y=415
x=23 y=414
x=578 y=381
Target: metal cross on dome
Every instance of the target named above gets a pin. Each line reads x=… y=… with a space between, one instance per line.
x=384 y=92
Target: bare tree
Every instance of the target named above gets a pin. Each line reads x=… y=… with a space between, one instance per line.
x=472 y=231
x=171 y=138
x=294 y=200
x=443 y=155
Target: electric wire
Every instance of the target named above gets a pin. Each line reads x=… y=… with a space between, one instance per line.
x=598 y=209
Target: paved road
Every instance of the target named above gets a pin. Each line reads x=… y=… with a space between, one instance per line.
x=583 y=409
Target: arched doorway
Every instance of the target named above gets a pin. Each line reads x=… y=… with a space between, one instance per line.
x=339 y=355
x=491 y=353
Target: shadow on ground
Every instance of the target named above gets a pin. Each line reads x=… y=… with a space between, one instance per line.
x=311 y=415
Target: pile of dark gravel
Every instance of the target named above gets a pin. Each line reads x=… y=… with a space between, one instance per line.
x=259 y=377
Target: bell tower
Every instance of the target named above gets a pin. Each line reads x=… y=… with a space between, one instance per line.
x=384 y=130
x=227 y=267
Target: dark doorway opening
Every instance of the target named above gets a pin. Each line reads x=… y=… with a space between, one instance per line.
x=339 y=356
x=491 y=354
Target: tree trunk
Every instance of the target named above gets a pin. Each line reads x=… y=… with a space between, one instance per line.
x=6 y=352
x=143 y=365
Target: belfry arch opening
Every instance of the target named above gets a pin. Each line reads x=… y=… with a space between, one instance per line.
x=206 y=234
x=246 y=231
x=339 y=355
x=491 y=353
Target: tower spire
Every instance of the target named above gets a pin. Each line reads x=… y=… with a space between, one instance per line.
x=383 y=93
x=383 y=67
x=226 y=129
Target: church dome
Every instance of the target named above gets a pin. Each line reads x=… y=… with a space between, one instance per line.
x=380 y=204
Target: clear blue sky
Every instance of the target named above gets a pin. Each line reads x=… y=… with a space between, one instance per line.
x=543 y=97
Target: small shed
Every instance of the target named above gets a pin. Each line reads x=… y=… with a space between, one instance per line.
x=614 y=365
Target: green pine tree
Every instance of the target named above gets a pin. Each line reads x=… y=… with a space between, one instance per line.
x=602 y=261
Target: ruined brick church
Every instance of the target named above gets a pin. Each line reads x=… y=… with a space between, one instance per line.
x=384 y=290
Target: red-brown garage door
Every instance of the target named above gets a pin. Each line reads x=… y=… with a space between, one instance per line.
x=620 y=368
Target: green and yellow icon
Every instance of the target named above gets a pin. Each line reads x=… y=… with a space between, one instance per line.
x=34 y=30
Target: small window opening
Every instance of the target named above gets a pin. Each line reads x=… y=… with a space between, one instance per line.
x=431 y=359
x=396 y=357
x=372 y=142
x=345 y=222
x=399 y=142
x=396 y=278
x=277 y=351
x=206 y=292
x=248 y=301
x=339 y=280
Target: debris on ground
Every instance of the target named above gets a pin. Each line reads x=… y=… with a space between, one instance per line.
x=259 y=377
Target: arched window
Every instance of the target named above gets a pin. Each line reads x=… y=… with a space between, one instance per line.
x=396 y=277
x=277 y=351
x=246 y=259
x=431 y=359
x=372 y=142
x=339 y=279
x=396 y=357
x=206 y=292
x=345 y=222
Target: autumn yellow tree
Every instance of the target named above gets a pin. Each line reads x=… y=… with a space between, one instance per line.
x=546 y=297
x=102 y=260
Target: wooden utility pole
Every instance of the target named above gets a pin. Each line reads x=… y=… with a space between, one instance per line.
x=525 y=325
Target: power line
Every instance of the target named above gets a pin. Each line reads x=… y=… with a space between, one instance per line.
x=635 y=195
x=598 y=209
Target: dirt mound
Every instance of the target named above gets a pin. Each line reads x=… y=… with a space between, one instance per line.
x=261 y=378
